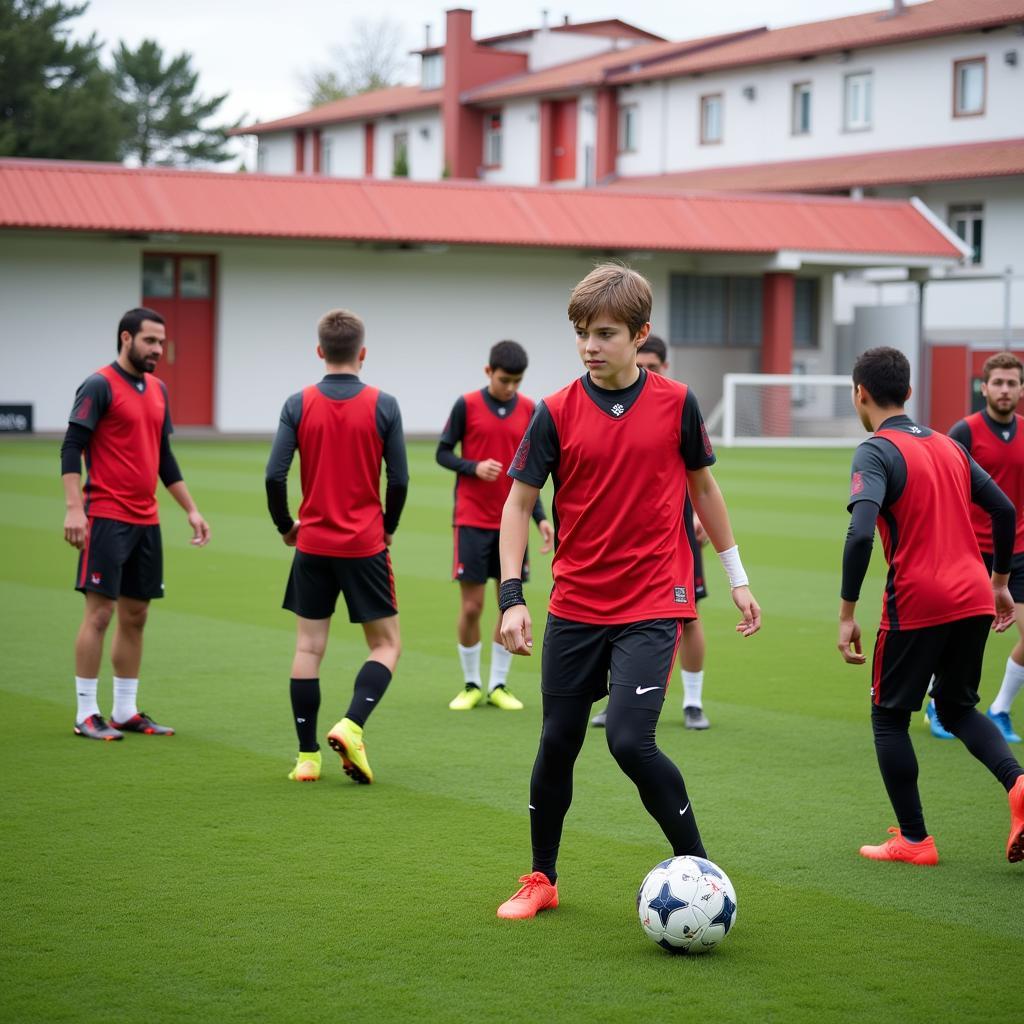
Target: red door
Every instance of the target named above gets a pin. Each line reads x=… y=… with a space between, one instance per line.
x=180 y=289
x=563 y=132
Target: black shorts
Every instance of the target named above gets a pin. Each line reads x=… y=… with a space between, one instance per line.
x=476 y=556
x=906 y=659
x=1016 y=575
x=121 y=560
x=583 y=660
x=367 y=583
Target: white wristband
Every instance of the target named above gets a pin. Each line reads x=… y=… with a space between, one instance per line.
x=733 y=567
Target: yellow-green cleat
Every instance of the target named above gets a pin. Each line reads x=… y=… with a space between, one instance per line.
x=346 y=738
x=307 y=767
x=501 y=698
x=467 y=699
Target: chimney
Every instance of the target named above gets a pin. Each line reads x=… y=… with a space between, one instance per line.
x=426 y=27
x=544 y=20
x=565 y=19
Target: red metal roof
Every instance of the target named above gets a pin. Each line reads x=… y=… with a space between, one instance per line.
x=55 y=195
x=829 y=174
x=879 y=28
x=398 y=99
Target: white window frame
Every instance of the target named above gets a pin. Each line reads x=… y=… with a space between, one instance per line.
x=432 y=71
x=858 y=101
x=706 y=105
x=797 y=126
x=959 y=67
x=326 y=145
x=493 y=125
x=968 y=215
x=629 y=122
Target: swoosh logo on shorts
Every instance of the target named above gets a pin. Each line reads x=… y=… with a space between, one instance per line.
x=646 y=689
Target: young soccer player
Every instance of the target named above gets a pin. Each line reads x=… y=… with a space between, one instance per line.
x=342 y=429
x=121 y=422
x=939 y=604
x=624 y=447
x=653 y=357
x=488 y=424
x=995 y=439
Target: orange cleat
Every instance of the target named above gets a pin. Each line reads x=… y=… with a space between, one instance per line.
x=1015 y=845
x=902 y=849
x=536 y=894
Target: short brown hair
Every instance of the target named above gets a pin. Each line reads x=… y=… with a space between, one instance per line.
x=615 y=290
x=1001 y=361
x=340 y=333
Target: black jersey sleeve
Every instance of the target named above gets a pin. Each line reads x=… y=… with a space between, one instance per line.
x=878 y=473
x=537 y=457
x=75 y=441
x=453 y=433
x=281 y=454
x=857 y=552
x=92 y=400
x=396 y=462
x=170 y=471
x=961 y=433
x=694 y=443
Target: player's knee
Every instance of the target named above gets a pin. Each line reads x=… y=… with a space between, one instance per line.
x=98 y=618
x=951 y=716
x=133 y=618
x=472 y=609
x=625 y=746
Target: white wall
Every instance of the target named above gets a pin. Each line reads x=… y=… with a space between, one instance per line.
x=426 y=145
x=276 y=153
x=520 y=127
x=912 y=106
x=547 y=49
x=346 y=142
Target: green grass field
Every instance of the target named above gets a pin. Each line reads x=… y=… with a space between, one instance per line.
x=186 y=879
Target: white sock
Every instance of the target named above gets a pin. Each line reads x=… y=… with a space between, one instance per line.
x=501 y=662
x=470 y=658
x=1012 y=682
x=86 y=691
x=693 y=687
x=124 y=699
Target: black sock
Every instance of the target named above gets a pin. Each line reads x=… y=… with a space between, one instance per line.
x=371 y=683
x=981 y=736
x=305 y=705
x=898 y=765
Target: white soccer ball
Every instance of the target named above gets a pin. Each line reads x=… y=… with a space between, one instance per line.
x=686 y=905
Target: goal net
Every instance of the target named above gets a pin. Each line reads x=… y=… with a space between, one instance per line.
x=789 y=410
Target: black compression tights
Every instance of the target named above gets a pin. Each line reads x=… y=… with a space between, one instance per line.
x=630 y=734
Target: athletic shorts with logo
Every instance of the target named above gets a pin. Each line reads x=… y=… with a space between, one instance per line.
x=1016 y=575
x=121 y=560
x=906 y=659
x=580 y=659
x=476 y=556
x=315 y=582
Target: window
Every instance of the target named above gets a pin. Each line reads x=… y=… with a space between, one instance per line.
x=261 y=158
x=801 y=108
x=492 y=140
x=157 y=277
x=857 y=102
x=967 y=221
x=725 y=312
x=969 y=87
x=325 y=155
x=432 y=71
x=194 y=282
x=711 y=119
x=628 y=117
x=400 y=155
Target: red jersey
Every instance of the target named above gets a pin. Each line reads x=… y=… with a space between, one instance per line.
x=935 y=572
x=340 y=450
x=623 y=554
x=1003 y=458
x=122 y=458
x=487 y=435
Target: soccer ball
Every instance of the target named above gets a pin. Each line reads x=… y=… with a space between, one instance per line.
x=686 y=905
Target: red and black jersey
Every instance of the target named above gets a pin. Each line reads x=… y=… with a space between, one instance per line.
x=936 y=574
x=620 y=489
x=999 y=449
x=488 y=436
x=127 y=417
x=340 y=449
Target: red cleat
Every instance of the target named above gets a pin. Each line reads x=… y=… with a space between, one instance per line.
x=1015 y=845
x=536 y=894
x=902 y=849
x=144 y=724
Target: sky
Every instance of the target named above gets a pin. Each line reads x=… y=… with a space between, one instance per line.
x=257 y=51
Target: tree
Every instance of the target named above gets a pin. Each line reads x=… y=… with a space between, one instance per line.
x=56 y=99
x=373 y=58
x=163 y=116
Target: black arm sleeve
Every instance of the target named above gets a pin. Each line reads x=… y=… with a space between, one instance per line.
x=389 y=425
x=986 y=493
x=539 y=515
x=961 y=433
x=394 y=502
x=857 y=552
x=75 y=441
x=454 y=431
x=281 y=454
x=170 y=473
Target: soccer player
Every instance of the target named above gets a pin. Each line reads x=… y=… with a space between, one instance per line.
x=342 y=429
x=121 y=422
x=939 y=604
x=488 y=424
x=995 y=439
x=653 y=357
x=624 y=447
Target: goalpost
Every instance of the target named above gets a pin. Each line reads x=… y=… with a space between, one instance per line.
x=789 y=410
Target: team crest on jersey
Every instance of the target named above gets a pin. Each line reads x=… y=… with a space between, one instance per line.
x=857 y=483
x=502 y=411
x=915 y=430
x=1006 y=435
x=680 y=595
x=460 y=569
x=96 y=578
x=618 y=408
